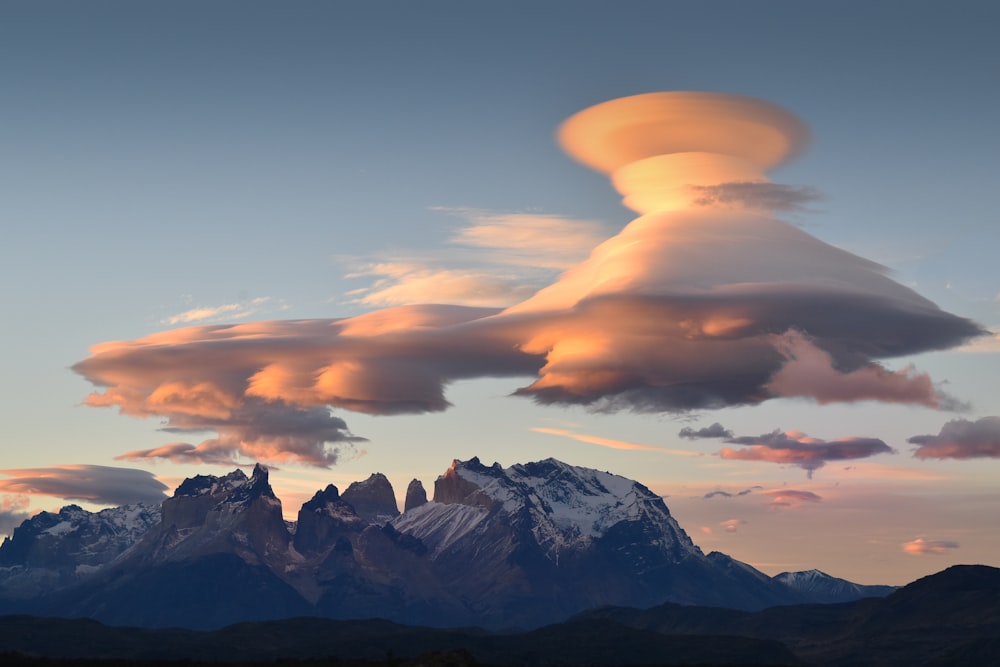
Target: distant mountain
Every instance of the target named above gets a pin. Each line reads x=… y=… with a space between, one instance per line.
x=821 y=587
x=948 y=619
x=515 y=547
x=54 y=550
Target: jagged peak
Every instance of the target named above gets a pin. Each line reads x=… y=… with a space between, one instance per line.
x=415 y=495
x=372 y=499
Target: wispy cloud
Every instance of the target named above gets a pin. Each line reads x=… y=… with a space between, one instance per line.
x=224 y=313
x=497 y=259
x=103 y=485
x=726 y=494
x=925 y=547
x=611 y=443
x=961 y=439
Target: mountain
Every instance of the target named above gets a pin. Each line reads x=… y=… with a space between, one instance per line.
x=821 y=587
x=516 y=547
x=948 y=618
x=52 y=550
x=373 y=499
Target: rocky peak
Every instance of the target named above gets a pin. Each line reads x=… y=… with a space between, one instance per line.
x=373 y=499
x=231 y=513
x=463 y=483
x=323 y=519
x=415 y=495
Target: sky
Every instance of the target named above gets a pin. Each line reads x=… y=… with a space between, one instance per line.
x=758 y=275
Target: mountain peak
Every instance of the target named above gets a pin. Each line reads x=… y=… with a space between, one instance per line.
x=372 y=499
x=415 y=495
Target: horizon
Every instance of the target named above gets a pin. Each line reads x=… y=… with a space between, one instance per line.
x=340 y=241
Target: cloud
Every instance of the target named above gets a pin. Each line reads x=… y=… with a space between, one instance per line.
x=731 y=525
x=401 y=283
x=961 y=439
x=225 y=312
x=716 y=430
x=689 y=307
x=13 y=511
x=810 y=372
x=726 y=494
x=102 y=485
x=797 y=448
x=989 y=345
x=791 y=497
x=924 y=547
x=767 y=196
x=499 y=259
x=611 y=443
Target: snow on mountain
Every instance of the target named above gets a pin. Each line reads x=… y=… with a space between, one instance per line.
x=821 y=587
x=567 y=506
x=522 y=546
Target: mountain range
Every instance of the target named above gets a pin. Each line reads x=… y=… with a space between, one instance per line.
x=500 y=548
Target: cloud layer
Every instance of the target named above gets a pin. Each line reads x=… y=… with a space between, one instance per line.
x=961 y=439
x=693 y=305
x=103 y=485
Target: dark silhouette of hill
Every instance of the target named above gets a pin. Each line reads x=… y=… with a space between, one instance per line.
x=949 y=618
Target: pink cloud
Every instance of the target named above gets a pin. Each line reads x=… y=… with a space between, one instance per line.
x=797 y=448
x=731 y=525
x=809 y=372
x=924 y=547
x=961 y=439
x=791 y=497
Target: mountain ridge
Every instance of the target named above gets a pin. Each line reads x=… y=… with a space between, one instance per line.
x=516 y=547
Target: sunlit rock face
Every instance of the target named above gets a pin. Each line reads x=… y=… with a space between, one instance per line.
x=373 y=499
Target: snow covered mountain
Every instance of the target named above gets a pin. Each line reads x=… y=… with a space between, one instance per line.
x=821 y=587
x=500 y=547
x=53 y=550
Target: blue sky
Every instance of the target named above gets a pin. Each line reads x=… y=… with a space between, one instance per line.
x=158 y=158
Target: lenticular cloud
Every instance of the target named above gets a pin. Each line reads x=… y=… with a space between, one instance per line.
x=705 y=300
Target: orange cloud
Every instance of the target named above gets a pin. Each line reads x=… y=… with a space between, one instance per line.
x=924 y=547
x=611 y=443
x=693 y=305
